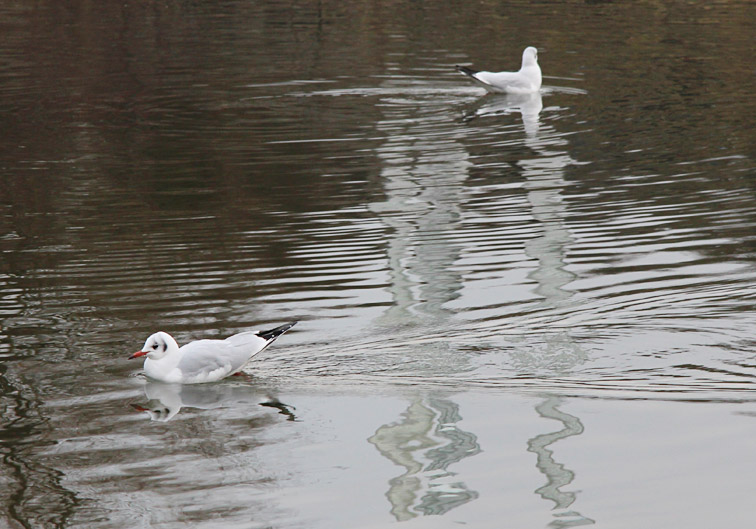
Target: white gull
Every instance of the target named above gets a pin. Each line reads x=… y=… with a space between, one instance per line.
x=525 y=81
x=203 y=360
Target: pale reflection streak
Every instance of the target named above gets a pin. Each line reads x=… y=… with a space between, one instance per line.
x=544 y=179
x=423 y=172
x=425 y=442
x=556 y=474
x=543 y=175
x=423 y=167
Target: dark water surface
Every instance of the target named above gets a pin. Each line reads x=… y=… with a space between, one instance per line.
x=514 y=312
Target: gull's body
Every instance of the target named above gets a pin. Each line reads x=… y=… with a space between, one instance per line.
x=525 y=81
x=203 y=360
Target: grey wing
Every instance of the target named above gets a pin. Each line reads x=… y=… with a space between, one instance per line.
x=249 y=341
x=504 y=80
x=211 y=358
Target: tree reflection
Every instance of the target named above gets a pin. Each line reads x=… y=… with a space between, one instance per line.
x=557 y=476
x=426 y=441
x=32 y=491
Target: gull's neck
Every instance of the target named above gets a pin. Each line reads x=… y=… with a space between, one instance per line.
x=159 y=368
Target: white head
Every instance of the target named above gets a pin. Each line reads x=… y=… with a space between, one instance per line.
x=159 y=412
x=529 y=57
x=157 y=346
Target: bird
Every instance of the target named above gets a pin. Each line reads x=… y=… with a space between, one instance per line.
x=525 y=81
x=203 y=360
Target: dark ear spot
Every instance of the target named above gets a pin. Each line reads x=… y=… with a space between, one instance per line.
x=165 y=346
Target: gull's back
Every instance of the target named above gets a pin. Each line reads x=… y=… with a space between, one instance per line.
x=210 y=360
x=526 y=80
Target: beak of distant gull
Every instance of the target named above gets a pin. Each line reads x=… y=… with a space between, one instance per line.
x=138 y=354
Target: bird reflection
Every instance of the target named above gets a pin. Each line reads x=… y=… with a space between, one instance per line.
x=283 y=409
x=557 y=475
x=166 y=400
x=426 y=441
x=528 y=105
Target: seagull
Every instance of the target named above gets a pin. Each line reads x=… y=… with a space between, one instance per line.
x=203 y=360
x=526 y=81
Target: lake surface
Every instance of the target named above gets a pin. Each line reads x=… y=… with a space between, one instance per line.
x=513 y=311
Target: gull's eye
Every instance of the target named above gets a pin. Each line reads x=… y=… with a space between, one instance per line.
x=154 y=346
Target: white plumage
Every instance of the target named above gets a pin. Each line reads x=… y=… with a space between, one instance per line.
x=203 y=360
x=525 y=81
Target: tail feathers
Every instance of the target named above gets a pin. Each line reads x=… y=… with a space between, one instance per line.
x=467 y=71
x=473 y=75
x=272 y=334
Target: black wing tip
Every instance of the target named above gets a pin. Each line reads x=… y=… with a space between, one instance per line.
x=465 y=70
x=272 y=334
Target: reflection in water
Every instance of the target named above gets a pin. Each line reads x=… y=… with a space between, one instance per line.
x=283 y=409
x=32 y=493
x=543 y=175
x=541 y=166
x=529 y=106
x=426 y=442
x=556 y=474
x=422 y=171
x=166 y=400
x=544 y=180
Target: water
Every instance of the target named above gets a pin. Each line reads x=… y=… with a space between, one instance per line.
x=521 y=312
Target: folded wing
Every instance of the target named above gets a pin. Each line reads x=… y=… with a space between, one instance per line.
x=504 y=81
x=209 y=360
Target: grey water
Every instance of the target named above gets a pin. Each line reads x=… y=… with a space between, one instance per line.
x=513 y=311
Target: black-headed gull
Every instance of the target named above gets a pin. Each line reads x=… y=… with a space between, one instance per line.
x=525 y=81
x=203 y=360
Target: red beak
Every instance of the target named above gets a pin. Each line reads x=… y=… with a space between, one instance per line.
x=138 y=354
